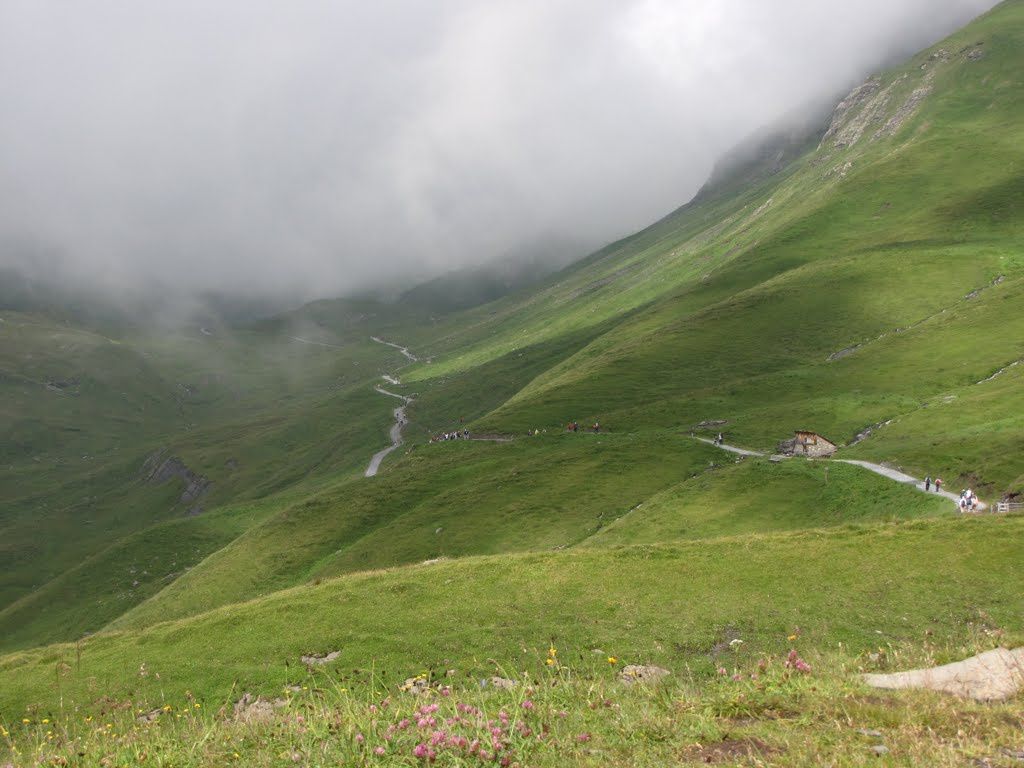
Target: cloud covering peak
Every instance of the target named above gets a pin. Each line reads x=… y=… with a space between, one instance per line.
x=320 y=147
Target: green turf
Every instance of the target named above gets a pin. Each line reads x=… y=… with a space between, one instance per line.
x=863 y=586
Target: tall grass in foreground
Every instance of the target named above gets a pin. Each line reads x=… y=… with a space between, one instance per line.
x=757 y=709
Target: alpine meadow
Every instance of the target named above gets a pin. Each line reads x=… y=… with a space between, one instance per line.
x=595 y=541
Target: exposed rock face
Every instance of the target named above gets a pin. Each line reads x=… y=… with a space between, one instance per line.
x=159 y=468
x=908 y=108
x=991 y=676
x=845 y=110
x=866 y=108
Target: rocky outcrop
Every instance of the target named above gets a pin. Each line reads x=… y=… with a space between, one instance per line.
x=161 y=467
x=867 y=109
x=994 y=675
x=908 y=108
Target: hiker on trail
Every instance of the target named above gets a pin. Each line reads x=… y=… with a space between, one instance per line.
x=927 y=483
x=938 y=484
x=719 y=439
x=597 y=427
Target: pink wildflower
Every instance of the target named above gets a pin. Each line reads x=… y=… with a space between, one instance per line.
x=379 y=750
x=583 y=738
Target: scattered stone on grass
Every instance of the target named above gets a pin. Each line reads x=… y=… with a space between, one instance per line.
x=316 y=658
x=727 y=751
x=991 y=676
x=632 y=674
x=844 y=352
x=880 y=749
x=416 y=685
x=256 y=709
x=710 y=423
x=151 y=716
x=502 y=683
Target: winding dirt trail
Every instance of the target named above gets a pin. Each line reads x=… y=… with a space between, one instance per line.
x=316 y=343
x=878 y=469
x=404 y=350
x=395 y=434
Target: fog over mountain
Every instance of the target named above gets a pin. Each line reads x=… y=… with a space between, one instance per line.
x=319 y=147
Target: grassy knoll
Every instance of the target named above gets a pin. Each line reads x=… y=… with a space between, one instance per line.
x=938 y=581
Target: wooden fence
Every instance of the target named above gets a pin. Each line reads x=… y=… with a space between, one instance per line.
x=1009 y=506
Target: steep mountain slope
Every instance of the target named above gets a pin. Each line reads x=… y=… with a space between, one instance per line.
x=879 y=273
x=874 y=279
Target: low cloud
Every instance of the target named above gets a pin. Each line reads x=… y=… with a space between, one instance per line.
x=317 y=148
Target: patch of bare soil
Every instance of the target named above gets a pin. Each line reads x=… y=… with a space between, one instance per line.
x=727 y=751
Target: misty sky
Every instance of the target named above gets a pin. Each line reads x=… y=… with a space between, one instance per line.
x=324 y=146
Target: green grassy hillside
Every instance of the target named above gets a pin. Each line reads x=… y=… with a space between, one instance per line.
x=256 y=414
x=672 y=605
x=871 y=290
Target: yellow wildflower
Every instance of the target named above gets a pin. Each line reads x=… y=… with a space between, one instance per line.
x=612 y=660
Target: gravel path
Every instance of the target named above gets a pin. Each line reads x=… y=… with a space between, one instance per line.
x=404 y=350
x=395 y=434
x=730 y=448
x=892 y=474
x=396 y=430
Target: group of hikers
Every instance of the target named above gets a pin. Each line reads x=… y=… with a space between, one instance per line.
x=456 y=435
x=574 y=426
x=967 y=500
